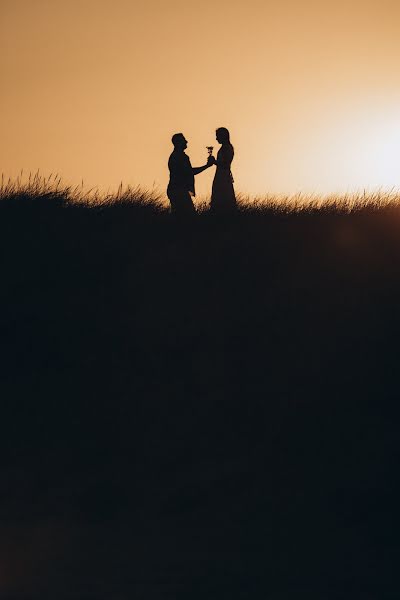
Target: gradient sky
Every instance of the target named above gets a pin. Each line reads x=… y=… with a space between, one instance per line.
x=310 y=90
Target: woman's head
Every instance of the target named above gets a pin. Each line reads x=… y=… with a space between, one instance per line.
x=222 y=135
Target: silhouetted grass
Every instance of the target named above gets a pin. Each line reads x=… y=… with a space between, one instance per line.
x=197 y=409
x=37 y=187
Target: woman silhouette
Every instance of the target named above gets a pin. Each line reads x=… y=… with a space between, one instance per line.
x=223 y=195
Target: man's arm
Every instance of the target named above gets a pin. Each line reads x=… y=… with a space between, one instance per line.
x=210 y=163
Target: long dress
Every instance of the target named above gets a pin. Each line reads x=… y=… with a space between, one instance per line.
x=223 y=197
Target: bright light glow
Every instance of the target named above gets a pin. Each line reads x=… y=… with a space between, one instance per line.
x=95 y=90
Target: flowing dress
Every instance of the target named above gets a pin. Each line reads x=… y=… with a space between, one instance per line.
x=223 y=197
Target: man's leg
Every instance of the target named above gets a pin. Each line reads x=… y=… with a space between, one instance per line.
x=181 y=202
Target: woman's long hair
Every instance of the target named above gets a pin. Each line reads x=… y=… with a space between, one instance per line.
x=224 y=134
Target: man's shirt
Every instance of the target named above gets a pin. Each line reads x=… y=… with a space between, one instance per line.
x=181 y=172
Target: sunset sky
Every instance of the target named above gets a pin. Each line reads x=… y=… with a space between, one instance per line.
x=310 y=90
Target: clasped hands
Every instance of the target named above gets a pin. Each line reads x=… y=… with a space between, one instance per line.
x=211 y=160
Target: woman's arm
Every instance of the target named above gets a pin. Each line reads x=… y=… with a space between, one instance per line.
x=225 y=158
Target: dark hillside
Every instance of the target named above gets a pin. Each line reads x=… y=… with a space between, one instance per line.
x=203 y=409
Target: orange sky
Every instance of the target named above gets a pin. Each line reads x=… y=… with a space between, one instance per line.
x=310 y=90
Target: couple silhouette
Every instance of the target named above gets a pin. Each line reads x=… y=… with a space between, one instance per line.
x=181 y=186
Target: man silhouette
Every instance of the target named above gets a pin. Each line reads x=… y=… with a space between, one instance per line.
x=181 y=182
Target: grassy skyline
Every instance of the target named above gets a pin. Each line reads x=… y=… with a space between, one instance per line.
x=34 y=185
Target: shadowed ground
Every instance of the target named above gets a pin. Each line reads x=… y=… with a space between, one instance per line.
x=198 y=410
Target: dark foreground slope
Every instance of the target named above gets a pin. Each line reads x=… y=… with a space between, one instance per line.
x=199 y=410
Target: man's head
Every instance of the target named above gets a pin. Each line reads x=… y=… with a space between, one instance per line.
x=179 y=141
